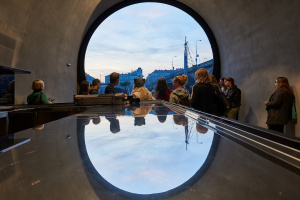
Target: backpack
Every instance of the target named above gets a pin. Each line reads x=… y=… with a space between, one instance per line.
x=184 y=102
x=222 y=102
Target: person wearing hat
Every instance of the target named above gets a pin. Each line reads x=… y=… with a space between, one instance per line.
x=140 y=91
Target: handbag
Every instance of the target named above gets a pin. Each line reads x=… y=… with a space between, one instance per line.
x=268 y=108
x=224 y=101
x=223 y=104
x=294 y=111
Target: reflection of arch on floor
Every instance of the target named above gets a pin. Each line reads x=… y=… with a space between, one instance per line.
x=106 y=190
x=90 y=31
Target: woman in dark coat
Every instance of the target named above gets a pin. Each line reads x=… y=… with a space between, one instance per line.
x=280 y=104
x=203 y=96
x=222 y=103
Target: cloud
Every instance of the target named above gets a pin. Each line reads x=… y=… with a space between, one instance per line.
x=145 y=35
x=143 y=160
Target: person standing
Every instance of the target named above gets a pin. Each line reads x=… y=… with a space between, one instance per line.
x=214 y=82
x=222 y=103
x=95 y=86
x=222 y=85
x=111 y=88
x=280 y=104
x=180 y=95
x=162 y=90
x=233 y=95
x=204 y=97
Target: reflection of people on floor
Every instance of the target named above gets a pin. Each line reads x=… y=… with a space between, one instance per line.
x=140 y=113
x=139 y=121
x=38 y=127
x=201 y=129
x=84 y=120
x=131 y=107
x=96 y=120
x=180 y=119
x=9 y=92
x=114 y=124
x=162 y=113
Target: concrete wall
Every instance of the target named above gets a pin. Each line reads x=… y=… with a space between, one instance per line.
x=258 y=41
x=47 y=36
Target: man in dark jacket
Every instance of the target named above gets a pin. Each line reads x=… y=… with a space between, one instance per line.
x=96 y=86
x=111 y=88
x=233 y=95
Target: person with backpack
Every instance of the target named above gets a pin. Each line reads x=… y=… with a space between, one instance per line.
x=180 y=95
x=204 y=97
x=37 y=96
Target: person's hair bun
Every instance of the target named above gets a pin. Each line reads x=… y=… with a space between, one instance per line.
x=184 y=78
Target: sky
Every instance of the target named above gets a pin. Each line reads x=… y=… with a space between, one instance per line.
x=146 y=161
x=146 y=35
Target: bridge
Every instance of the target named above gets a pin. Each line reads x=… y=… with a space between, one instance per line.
x=208 y=65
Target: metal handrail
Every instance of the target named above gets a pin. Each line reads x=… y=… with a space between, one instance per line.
x=278 y=148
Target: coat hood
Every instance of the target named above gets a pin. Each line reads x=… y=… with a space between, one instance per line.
x=181 y=93
x=33 y=96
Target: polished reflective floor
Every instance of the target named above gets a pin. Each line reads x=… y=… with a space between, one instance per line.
x=144 y=151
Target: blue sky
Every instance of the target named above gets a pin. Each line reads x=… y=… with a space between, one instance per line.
x=146 y=35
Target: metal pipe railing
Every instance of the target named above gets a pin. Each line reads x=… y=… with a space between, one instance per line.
x=276 y=147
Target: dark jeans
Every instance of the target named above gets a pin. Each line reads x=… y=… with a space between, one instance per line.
x=278 y=128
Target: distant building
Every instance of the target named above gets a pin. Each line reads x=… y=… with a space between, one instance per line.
x=102 y=88
x=89 y=78
x=157 y=74
x=128 y=77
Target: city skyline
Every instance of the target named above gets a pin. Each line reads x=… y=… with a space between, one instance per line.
x=146 y=35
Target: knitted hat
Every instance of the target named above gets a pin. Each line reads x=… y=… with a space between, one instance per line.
x=139 y=82
x=139 y=121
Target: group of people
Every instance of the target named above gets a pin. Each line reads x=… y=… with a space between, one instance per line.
x=223 y=99
x=206 y=94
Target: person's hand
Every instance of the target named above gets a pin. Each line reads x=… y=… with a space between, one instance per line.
x=266 y=102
